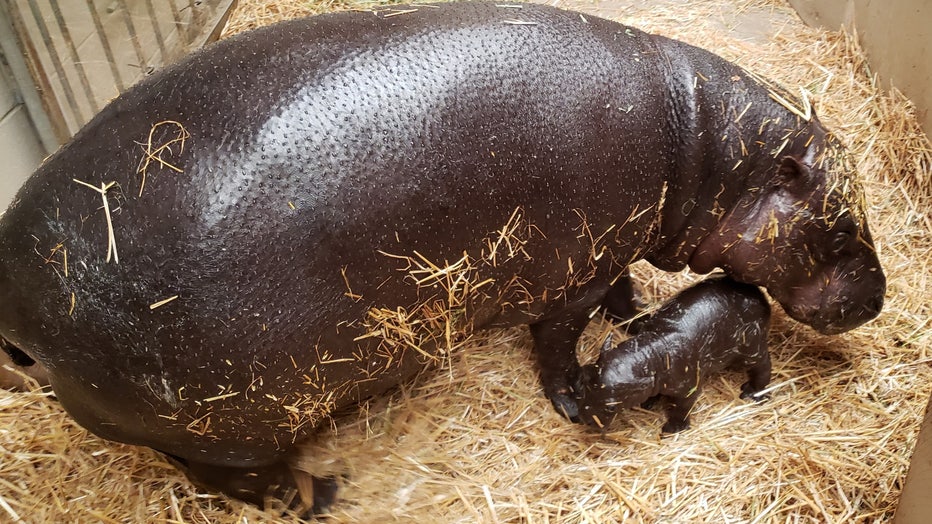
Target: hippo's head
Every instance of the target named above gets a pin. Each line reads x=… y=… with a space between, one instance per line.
x=803 y=235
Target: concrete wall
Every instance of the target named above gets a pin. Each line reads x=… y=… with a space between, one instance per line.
x=19 y=143
x=897 y=36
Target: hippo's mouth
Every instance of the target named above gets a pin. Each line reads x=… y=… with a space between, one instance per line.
x=835 y=312
x=819 y=320
x=830 y=328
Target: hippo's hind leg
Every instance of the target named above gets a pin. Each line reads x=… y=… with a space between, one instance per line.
x=255 y=484
x=758 y=376
x=555 y=338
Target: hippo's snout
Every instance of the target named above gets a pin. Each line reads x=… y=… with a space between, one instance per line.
x=849 y=305
x=850 y=316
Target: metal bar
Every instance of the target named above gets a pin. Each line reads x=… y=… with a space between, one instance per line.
x=226 y=10
x=56 y=61
x=182 y=28
x=105 y=42
x=158 y=32
x=195 y=13
x=128 y=20
x=26 y=82
x=78 y=64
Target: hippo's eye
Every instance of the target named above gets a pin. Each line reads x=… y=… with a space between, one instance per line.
x=840 y=241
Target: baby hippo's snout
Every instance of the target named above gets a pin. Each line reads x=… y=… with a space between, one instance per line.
x=597 y=404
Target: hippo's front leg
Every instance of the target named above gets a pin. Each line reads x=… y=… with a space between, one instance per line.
x=555 y=338
x=555 y=348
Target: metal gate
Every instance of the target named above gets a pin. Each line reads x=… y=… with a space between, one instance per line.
x=82 y=53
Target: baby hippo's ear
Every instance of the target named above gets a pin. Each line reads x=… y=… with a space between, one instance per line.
x=606 y=344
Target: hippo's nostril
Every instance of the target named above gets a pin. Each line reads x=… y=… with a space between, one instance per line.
x=874 y=305
x=844 y=307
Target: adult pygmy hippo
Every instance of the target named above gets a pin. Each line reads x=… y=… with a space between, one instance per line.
x=305 y=215
x=714 y=325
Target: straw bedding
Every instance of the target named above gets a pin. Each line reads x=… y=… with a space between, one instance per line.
x=478 y=442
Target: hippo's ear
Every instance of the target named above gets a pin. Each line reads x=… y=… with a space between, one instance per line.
x=792 y=172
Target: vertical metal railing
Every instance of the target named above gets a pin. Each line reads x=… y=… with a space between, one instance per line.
x=82 y=54
x=108 y=50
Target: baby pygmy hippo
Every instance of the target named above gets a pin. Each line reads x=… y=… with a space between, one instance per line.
x=714 y=325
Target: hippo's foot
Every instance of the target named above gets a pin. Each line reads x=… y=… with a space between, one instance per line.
x=750 y=393
x=555 y=348
x=758 y=377
x=323 y=494
x=298 y=491
x=565 y=405
x=598 y=416
x=565 y=398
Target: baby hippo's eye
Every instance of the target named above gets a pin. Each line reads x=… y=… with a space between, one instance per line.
x=840 y=241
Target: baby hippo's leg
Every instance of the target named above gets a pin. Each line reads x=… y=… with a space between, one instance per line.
x=651 y=402
x=678 y=413
x=758 y=376
x=758 y=379
x=623 y=304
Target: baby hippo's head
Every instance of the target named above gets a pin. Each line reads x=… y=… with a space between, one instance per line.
x=617 y=380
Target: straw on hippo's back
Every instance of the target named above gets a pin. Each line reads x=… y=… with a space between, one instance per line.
x=360 y=191
x=714 y=325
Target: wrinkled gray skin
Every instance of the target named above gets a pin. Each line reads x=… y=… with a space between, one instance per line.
x=714 y=325
x=321 y=146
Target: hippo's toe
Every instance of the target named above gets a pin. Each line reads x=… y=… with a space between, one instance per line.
x=565 y=404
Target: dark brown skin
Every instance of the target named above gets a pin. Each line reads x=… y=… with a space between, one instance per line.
x=334 y=165
x=714 y=325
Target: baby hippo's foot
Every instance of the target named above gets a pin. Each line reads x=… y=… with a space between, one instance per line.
x=749 y=393
x=318 y=493
x=650 y=403
x=678 y=414
x=674 y=426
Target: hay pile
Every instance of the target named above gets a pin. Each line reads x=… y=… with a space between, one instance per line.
x=481 y=443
